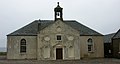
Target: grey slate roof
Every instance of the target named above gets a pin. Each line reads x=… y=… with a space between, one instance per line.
x=117 y=35
x=108 y=37
x=84 y=30
x=30 y=29
x=35 y=26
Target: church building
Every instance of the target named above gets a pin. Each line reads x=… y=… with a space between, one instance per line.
x=55 y=39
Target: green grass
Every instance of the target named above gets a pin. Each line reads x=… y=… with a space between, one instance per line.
x=3 y=53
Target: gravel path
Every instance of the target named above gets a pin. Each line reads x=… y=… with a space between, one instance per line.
x=85 y=61
x=3 y=60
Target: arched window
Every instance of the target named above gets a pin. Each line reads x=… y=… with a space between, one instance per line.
x=90 y=45
x=22 y=46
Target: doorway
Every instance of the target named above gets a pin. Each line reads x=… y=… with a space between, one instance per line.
x=59 y=53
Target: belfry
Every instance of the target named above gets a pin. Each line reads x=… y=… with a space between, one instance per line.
x=58 y=12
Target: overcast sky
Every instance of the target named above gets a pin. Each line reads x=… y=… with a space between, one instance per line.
x=100 y=15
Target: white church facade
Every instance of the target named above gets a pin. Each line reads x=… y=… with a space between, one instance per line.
x=55 y=39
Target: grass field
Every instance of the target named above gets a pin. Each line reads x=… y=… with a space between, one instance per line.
x=3 y=53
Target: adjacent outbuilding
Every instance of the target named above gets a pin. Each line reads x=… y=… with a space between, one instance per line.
x=108 y=45
x=116 y=44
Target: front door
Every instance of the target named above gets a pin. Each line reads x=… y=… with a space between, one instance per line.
x=59 y=53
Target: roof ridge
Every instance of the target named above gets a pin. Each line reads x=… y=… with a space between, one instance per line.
x=116 y=34
x=109 y=34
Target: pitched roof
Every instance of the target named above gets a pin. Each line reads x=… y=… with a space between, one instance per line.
x=117 y=35
x=84 y=30
x=35 y=26
x=30 y=29
x=108 y=37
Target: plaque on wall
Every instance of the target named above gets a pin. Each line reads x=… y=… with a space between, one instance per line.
x=70 y=38
x=46 y=38
x=59 y=29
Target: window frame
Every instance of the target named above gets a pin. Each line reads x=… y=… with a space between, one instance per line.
x=23 y=47
x=59 y=38
x=90 y=44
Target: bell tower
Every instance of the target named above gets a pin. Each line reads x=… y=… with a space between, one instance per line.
x=58 y=12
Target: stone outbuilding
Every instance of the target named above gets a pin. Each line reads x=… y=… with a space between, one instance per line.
x=55 y=39
x=108 y=45
x=116 y=44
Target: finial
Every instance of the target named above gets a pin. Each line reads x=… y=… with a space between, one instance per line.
x=58 y=3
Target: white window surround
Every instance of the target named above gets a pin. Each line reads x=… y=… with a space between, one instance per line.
x=91 y=43
x=58 y=36
x=23 y=46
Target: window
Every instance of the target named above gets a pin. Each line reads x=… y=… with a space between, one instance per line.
x=22 y=46
x=58 y=37
x=90 y=45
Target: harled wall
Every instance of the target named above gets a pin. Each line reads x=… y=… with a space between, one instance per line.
x=13 y=47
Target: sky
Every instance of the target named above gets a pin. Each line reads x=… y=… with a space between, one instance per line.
x=102 y=16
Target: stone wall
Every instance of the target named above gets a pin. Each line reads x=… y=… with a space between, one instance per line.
x=98 y=47
x=47 y=38
x=13 y=47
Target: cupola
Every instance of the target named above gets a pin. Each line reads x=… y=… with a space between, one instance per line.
x=58 y=12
